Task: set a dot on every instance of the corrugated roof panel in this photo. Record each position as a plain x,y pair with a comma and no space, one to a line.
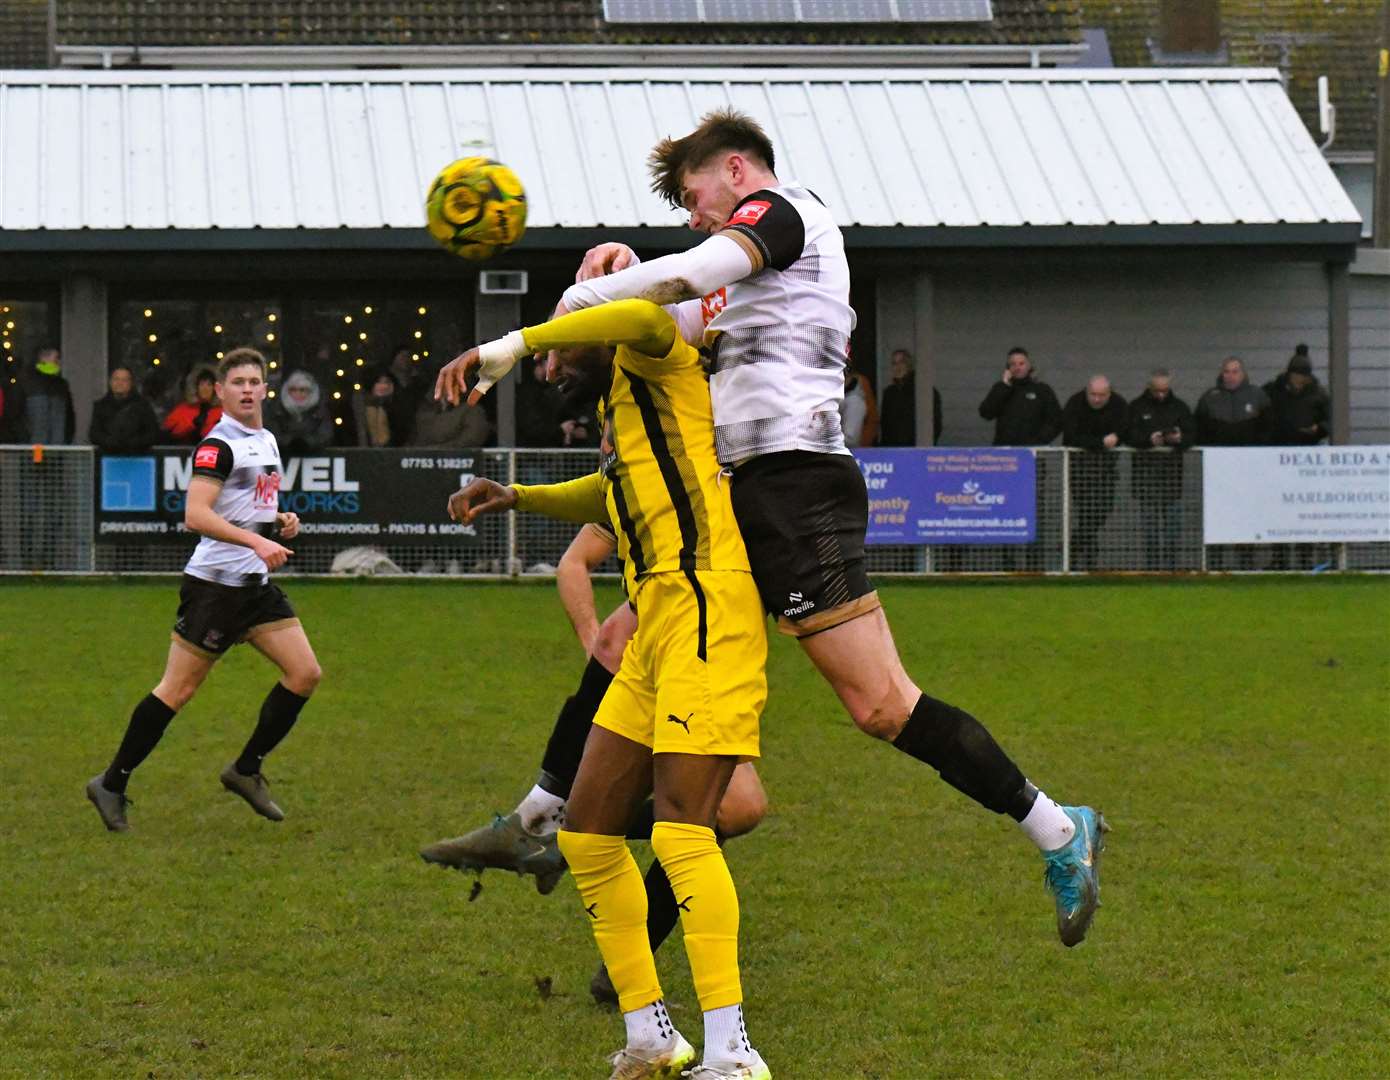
1001,148
1122,158
1020,166
974,155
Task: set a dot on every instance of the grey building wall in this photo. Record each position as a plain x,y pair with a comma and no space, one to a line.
1370,355
1125,315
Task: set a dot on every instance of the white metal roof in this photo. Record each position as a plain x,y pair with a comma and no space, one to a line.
356,149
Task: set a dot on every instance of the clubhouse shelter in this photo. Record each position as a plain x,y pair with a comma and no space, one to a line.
1110,220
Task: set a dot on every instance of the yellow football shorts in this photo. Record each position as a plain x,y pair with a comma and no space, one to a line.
693,679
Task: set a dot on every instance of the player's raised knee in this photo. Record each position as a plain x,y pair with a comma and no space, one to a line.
304,678
883,716
741,811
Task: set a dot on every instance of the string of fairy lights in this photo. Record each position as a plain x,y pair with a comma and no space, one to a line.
354,337
6,341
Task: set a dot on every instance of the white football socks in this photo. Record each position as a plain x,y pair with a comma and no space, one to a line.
650,1027
1047,825
541,812
726,1038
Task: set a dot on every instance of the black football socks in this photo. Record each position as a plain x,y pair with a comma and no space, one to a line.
959,747
279,711
142,735
560,765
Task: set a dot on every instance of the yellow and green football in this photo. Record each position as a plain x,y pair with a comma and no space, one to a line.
476,208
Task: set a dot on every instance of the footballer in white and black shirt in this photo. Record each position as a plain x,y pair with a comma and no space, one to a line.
798,495
227,597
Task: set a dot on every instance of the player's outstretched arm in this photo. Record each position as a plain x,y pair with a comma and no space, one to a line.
638,324
200,516
711,265
579,500
574,582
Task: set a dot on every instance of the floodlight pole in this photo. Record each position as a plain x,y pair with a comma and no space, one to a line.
1381,211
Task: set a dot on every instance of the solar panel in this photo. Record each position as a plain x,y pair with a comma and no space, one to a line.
844,11
648,11
762,12
944,11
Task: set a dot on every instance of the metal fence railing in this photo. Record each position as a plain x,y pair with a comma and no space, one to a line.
1115,512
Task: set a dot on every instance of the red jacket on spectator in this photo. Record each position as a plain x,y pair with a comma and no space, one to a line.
189,422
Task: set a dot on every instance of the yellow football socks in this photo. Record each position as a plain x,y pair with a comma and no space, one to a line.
615,902
708,906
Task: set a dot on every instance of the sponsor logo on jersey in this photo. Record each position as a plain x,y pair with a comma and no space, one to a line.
205,458
750,213
713,304
267,489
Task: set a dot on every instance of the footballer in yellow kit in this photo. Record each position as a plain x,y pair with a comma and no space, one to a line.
685,566
684,707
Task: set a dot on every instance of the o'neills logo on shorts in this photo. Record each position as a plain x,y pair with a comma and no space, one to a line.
799,606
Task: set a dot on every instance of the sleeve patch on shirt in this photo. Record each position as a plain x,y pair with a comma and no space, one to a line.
750,213
206,458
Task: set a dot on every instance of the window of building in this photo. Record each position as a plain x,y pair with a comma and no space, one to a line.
25,326
1189,32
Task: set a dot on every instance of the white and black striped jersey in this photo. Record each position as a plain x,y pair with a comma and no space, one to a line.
246,462
779,339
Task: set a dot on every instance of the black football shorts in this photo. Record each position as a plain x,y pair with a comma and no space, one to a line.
213,617
803,517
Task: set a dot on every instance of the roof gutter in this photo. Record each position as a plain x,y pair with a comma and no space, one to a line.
501,55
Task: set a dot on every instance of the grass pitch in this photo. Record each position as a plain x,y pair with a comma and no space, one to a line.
1234,733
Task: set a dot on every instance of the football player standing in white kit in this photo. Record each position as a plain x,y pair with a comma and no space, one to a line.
227,596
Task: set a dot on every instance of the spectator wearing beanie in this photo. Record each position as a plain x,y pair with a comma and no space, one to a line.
1299,408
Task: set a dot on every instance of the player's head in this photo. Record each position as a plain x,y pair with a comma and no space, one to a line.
241,385
585,370
708,171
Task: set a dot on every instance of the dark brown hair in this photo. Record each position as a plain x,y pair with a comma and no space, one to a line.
721,131
239,358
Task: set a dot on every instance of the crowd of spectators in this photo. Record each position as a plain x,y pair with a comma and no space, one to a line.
396,408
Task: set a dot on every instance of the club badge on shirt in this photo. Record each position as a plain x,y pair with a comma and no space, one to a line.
750,213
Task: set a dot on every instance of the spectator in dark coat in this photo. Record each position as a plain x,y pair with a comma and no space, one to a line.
1025,411
123,422
384,415
1094,422
1300,412
1160,429
897,417
48,408
1232,413
298,417
540,408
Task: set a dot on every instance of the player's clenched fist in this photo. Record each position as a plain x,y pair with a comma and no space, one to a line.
272,554
480,496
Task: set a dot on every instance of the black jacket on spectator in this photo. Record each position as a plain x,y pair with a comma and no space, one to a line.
1157,473
539,408
48,408
1290,411
897,416
1086,428
123,425
1025,412
1232,417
